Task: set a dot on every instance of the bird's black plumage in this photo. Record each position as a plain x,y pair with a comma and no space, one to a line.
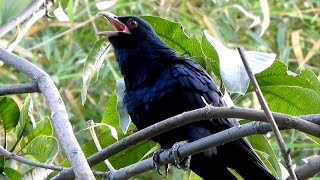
160,84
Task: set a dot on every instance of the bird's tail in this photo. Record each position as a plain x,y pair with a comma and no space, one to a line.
237,155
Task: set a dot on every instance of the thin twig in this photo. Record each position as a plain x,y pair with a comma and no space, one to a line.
90,17
34,6
193,116
59,117
284,151
96,142
62,34
18,89
13,156
27,25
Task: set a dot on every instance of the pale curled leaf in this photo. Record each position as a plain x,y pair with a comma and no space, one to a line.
232,71
113,130
93,65
125,119
61,15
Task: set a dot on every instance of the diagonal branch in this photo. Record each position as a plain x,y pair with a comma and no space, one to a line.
34,6
205,113
308,170
203,144
27,25
284,151
59,116
19,89
10,155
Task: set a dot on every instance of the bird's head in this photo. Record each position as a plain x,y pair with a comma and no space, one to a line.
129,30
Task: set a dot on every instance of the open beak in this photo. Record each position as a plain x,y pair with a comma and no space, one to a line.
118,25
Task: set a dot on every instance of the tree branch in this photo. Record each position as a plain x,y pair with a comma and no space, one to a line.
205,113
27,12
10,155
59,116
264,105
199,146
27,25
19,89
308,170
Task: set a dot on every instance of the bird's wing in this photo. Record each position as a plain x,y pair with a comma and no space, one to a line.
197,83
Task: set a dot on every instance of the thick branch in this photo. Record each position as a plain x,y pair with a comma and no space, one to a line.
205,113
34,6
308,170
19,89
59,116
199,146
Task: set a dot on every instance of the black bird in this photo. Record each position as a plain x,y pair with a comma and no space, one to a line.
161,84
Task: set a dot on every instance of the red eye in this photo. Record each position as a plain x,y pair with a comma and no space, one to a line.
133,23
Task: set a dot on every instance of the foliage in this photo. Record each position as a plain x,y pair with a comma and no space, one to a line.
287,85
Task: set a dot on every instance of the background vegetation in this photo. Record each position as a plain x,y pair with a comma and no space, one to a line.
292,34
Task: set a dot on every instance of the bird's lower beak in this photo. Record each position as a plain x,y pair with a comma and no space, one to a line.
118,25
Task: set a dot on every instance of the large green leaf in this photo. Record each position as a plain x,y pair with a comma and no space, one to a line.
289,93
43,127
172,34
26,121
43,148
9,113
93,65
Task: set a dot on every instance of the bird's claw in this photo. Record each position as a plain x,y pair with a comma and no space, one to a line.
156,159
183,163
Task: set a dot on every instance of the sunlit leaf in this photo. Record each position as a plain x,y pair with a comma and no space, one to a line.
43,127
42,148
26,121
289,93
93,65
36,173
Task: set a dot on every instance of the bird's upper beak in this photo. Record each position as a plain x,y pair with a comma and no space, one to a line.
118,25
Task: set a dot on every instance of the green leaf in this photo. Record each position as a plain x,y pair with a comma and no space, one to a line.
288,93
12,173
172,34
43,127
235,174
9,113
93,65
42,148
26,121
266,153
125,119
211,55
111,115
2,160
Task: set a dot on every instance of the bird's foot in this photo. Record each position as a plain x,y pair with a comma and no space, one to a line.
156,161
183,163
